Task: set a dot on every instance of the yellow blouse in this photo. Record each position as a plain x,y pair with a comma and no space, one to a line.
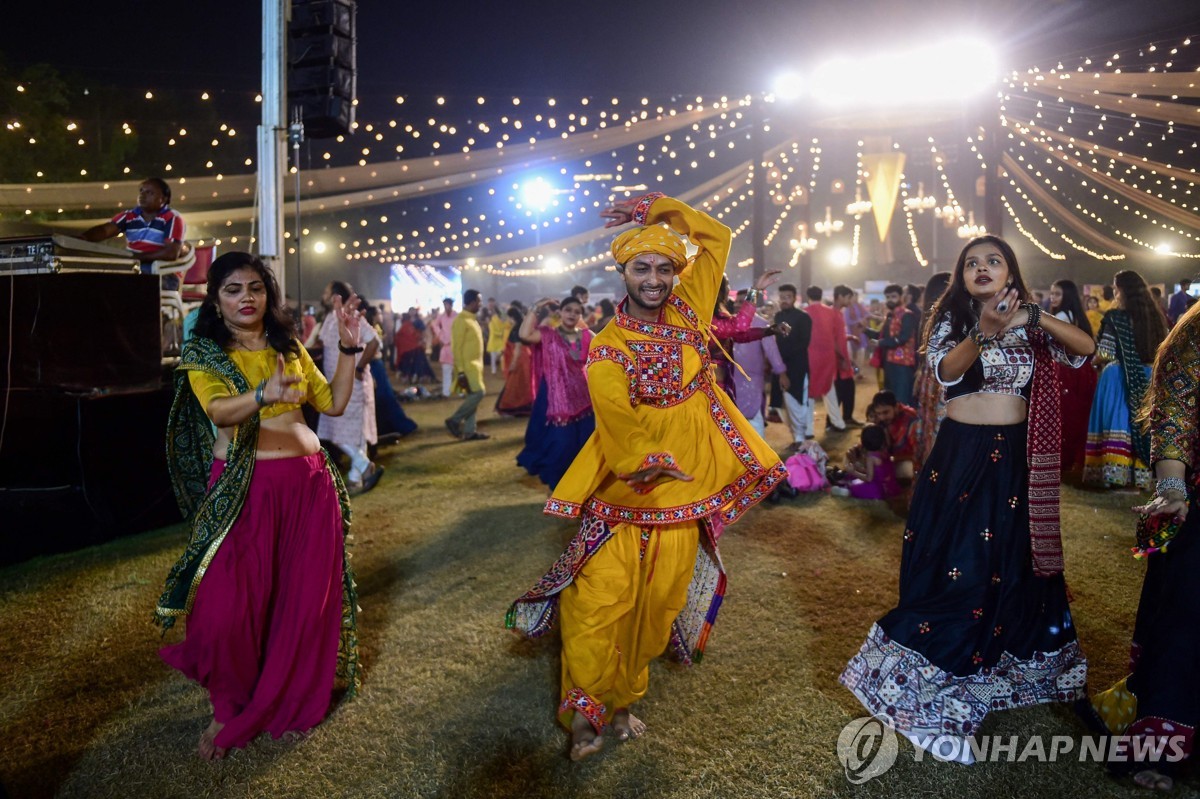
259,366
656,402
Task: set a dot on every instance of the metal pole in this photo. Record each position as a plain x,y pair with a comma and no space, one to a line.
993,209
758,213
271,153
296,135
933,249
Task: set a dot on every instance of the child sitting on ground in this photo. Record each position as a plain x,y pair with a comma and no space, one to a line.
869,468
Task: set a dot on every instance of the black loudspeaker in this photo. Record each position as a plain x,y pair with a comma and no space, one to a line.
321,66
90,332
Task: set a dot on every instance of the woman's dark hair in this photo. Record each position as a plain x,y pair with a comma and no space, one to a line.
514,313
1183,330
606,307
570,300
873,438
278,321
721,307
1073,305
957,301
935,287
1149,323
341,288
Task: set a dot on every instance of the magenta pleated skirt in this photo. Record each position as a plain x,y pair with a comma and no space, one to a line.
262,636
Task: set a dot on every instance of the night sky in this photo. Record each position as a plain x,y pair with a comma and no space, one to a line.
537,47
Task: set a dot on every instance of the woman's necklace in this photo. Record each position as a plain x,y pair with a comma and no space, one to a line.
574,340
258,340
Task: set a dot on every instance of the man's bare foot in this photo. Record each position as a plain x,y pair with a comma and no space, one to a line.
584,738
626,725
208,749
1153,780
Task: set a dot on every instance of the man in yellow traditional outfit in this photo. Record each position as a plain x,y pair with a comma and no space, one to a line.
671,462
466,340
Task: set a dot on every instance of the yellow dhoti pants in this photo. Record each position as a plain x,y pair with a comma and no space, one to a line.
616,616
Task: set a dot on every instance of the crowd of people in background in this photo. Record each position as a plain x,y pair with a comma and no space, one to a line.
779,356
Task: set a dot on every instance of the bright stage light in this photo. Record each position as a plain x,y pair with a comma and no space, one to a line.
537,193
788,86
954,70
423,287
840,256
319,247
552,264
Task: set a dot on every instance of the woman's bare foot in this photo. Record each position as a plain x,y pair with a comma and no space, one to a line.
626,725
295,736
208,749
585,740
1153,780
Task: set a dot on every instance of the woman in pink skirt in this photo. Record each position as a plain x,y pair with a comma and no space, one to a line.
264,581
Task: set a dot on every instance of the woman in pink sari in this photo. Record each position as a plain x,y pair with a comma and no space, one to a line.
562,417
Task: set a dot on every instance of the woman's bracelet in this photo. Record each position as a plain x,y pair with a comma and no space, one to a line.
258,393
1166,485
1035,314
349,350
979,338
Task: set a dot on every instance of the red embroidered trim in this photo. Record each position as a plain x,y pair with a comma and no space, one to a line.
638,395
750,488
643,206
649,462
753,486
658,459
578,700
662,330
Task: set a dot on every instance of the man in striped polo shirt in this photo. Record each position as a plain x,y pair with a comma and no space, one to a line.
153,232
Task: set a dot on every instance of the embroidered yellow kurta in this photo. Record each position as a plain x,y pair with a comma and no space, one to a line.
656,401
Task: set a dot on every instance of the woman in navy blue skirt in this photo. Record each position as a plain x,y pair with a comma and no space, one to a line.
982,621
1157,706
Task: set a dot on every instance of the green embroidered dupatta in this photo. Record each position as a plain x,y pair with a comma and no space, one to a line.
212,513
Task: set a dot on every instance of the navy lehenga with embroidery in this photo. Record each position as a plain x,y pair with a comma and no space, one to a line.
975,629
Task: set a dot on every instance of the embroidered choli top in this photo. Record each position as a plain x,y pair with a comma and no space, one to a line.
260,365
561,365
1174,433
656,403
1004,366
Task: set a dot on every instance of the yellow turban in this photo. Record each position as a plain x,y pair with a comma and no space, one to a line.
651,238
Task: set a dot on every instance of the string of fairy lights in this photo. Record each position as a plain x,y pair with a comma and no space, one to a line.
621,182
1100,154
1110,134
1060,153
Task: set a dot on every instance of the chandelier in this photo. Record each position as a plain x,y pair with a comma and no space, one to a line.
971,230
921,202
828,226
859,207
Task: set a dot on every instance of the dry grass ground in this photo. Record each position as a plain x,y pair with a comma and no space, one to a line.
454,706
